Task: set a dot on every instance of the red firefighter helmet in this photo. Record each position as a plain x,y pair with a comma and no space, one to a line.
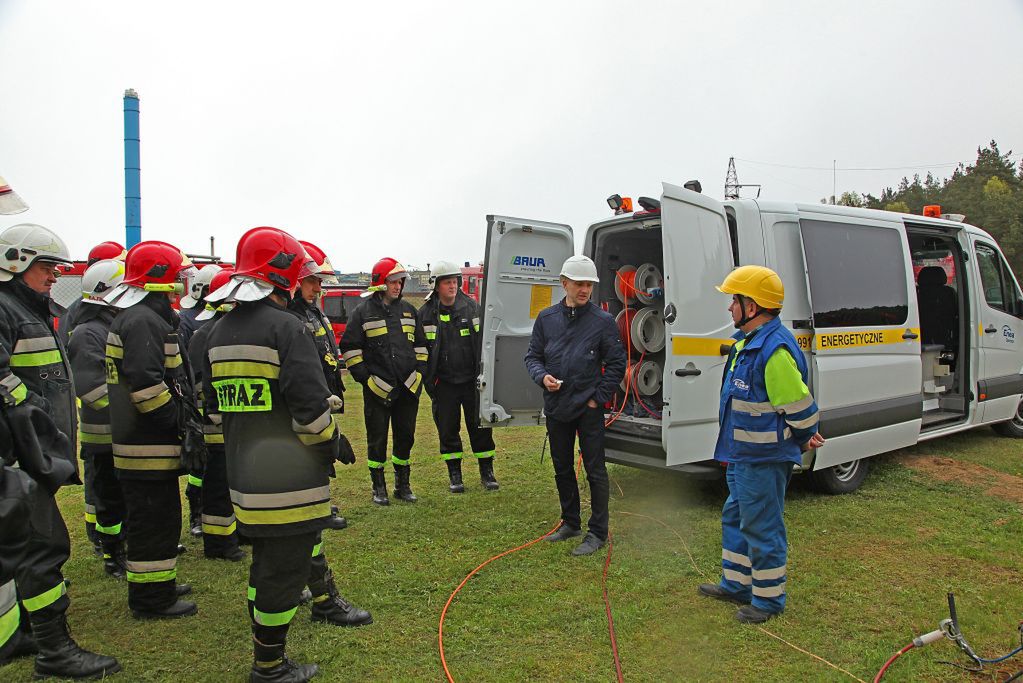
156,267
386,270
324,268
107,250
274,257
222,277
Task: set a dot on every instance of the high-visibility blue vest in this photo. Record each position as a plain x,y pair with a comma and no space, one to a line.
752,430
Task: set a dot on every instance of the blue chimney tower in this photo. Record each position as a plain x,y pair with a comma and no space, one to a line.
132,171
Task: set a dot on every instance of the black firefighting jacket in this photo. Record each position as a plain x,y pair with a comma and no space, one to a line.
262,380
87,353
33,363
323,336
147,376
384,347
452,338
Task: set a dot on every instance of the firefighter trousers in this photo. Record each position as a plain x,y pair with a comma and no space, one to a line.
17,490
219,535
39,577
754,545
103,490
154,511
280,568
318,568
450,401
401,416
590,427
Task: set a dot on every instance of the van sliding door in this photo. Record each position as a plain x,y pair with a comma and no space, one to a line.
866,335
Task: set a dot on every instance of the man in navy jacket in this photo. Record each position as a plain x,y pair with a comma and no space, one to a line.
576,355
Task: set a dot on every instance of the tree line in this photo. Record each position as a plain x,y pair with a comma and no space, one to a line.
989,192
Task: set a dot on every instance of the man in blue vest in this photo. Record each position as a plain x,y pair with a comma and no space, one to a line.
768,418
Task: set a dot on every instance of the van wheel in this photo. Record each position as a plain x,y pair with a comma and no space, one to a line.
844,478
1012,428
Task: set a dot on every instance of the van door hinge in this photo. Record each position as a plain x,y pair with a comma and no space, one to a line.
802,324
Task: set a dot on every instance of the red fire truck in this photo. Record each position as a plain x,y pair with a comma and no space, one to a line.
337,303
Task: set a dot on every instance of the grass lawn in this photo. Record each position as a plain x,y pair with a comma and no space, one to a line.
867,572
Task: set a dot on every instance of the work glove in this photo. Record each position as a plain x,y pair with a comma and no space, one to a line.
345,453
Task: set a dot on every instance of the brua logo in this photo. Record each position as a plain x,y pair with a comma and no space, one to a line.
530,261
739,384
1009,335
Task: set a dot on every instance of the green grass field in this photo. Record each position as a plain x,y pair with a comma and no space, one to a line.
867,572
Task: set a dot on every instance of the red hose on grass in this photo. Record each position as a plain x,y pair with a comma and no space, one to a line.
891,660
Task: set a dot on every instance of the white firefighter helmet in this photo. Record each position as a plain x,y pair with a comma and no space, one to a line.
24,244
10,202
195,284
580,269
99,278
444,269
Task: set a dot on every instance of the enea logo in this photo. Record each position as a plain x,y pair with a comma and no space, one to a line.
530,261
1009,335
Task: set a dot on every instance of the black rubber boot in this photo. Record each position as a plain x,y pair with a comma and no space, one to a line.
195,524
20,644
455,475
332,608
487,474
337,522
379,486
271,665
402,490
115,561
59,655
180,608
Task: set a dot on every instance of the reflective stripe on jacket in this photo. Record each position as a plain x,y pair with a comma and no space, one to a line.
753,428
452,344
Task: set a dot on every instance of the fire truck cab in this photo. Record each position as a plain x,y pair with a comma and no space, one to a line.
912,325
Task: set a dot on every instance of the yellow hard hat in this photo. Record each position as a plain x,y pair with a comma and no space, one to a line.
756,282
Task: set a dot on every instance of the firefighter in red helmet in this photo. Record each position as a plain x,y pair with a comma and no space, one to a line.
149,384
384,347
263,383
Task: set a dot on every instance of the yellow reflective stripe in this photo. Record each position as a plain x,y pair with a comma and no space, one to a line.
86,437
376,332
464,332
115,351
240,368
374,383
32,360
172,361
286,516
152,577
96,394
431,335
218,526
445,318
326,434
213,438
315,426
10,615
413,381
147,457
354,361
320,332
408,329
46,598
152,404
348,355
273,618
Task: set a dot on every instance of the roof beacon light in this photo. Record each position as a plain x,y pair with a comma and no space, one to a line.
932,211
620,204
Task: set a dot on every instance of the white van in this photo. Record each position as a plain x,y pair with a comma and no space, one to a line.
912,326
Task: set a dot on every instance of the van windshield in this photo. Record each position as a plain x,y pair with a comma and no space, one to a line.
338,308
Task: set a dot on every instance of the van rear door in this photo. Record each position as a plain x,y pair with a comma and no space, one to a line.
697,257
520,279
866,343
1000,346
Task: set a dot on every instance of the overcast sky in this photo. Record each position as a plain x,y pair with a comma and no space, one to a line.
394,128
